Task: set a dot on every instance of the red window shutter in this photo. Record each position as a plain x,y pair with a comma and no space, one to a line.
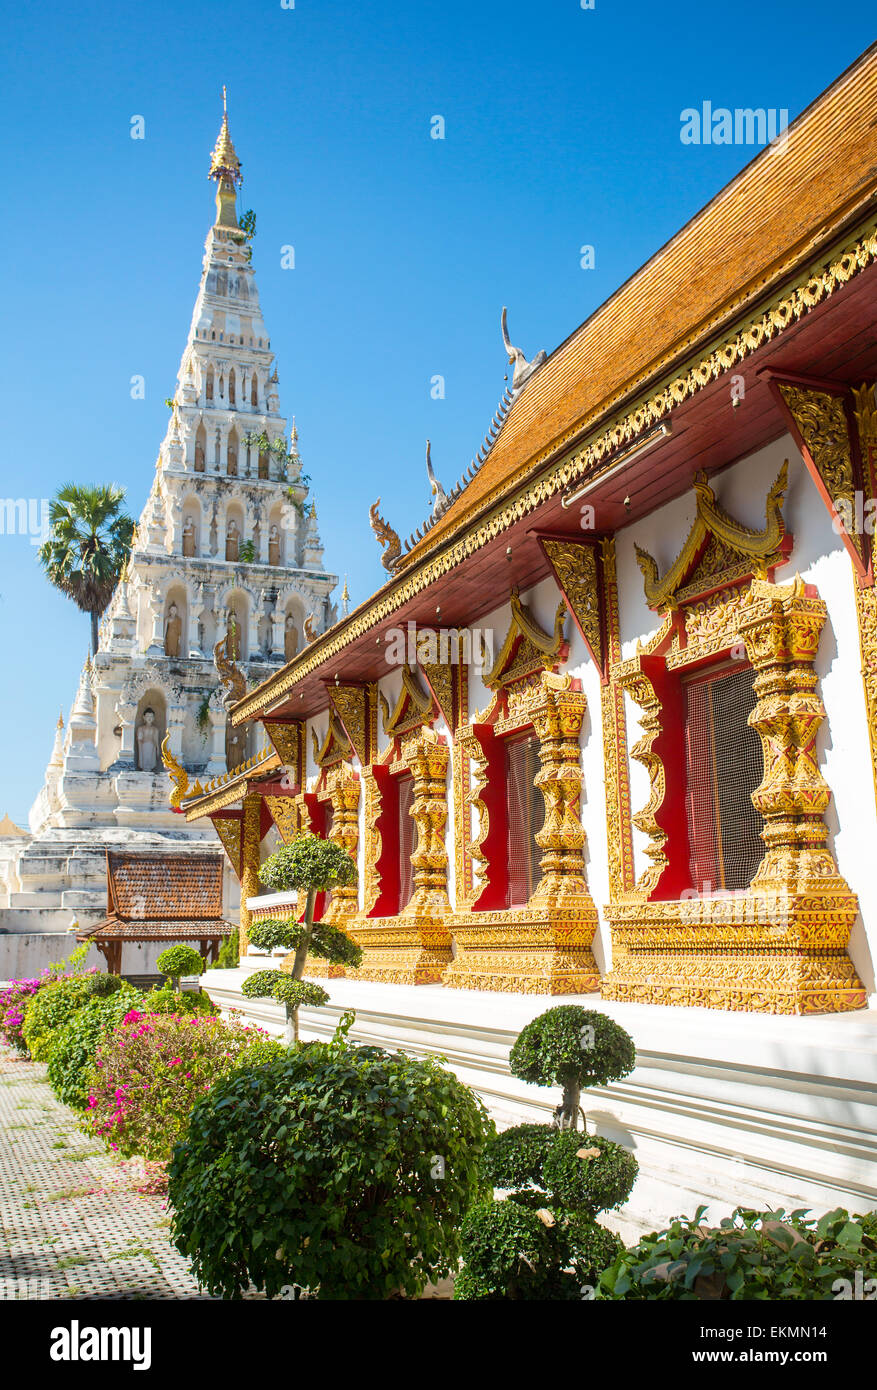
526,815
724,766
407,840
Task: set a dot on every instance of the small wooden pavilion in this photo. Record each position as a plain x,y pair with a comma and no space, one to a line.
160,897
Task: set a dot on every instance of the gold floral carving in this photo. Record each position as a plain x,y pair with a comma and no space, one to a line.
463,867
866,611
821,423
631,678
440,677
287,740
718,548
228,829
355,706
575,565
545,947
336,746
530,493
286,816
782,946
414,947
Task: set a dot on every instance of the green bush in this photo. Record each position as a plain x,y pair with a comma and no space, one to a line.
50,1009
75,1044
164,999
103,985
589,1184
229,956
542,1241
344,1170
180,960
749,1255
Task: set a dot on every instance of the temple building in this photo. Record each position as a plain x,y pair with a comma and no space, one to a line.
225,578
608,731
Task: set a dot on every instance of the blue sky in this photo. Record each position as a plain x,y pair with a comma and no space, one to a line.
562,129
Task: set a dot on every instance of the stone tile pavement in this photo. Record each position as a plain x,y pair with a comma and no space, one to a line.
72,1224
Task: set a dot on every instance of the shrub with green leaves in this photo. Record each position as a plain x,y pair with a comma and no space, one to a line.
311,865
75,1044
180,960
164,999
229,955
343,1170
153,1068
749,1255
50,1009
543,1241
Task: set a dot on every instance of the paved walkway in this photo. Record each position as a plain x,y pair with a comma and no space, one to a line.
72,1223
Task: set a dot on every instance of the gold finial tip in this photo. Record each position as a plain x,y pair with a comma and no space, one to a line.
60,724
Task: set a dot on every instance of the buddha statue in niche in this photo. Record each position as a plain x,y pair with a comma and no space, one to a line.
173,631
147,742
290,638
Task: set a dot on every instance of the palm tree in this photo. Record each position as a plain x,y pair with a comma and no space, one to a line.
89,543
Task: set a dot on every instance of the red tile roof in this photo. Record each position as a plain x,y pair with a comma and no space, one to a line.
144,886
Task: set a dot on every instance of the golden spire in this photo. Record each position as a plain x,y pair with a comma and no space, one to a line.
345,592
225,169
60,723
224,163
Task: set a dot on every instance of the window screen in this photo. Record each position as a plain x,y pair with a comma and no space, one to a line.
407,840
526,814
725,766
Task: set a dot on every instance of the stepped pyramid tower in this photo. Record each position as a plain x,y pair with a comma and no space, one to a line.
227,546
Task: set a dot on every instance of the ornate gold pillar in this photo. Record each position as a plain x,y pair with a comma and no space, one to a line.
251,839
413,947
343,786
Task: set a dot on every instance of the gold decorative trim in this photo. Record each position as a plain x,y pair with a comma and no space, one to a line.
228,829
700,370
414,706
527,646
576,569
336,746
286,816
251,822
615,768
354,705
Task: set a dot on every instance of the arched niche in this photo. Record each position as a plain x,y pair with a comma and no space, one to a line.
237,606
293,618
208,385
200,448
232,449
147,746
176,622
254,389
232,387
276,536
234,531
191,526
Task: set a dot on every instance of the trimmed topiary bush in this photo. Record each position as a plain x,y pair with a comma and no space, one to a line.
750,1255
52,1007
100,986
180,960
74,1046
572,1047
542,1241
312,865
342,1170
152,1069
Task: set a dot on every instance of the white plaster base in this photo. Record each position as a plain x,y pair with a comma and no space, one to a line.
722,1108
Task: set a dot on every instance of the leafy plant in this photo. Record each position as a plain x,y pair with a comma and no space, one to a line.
572,1047
50,1009
202,716
229,954
343,1170
247,552
311,865
543,1241
89,542
749,1255
150,1071
74,1046
180,960
165,999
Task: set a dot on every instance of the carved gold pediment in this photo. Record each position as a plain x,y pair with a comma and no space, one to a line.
354,705
286,738
414,706
335,746
527,648
718,550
